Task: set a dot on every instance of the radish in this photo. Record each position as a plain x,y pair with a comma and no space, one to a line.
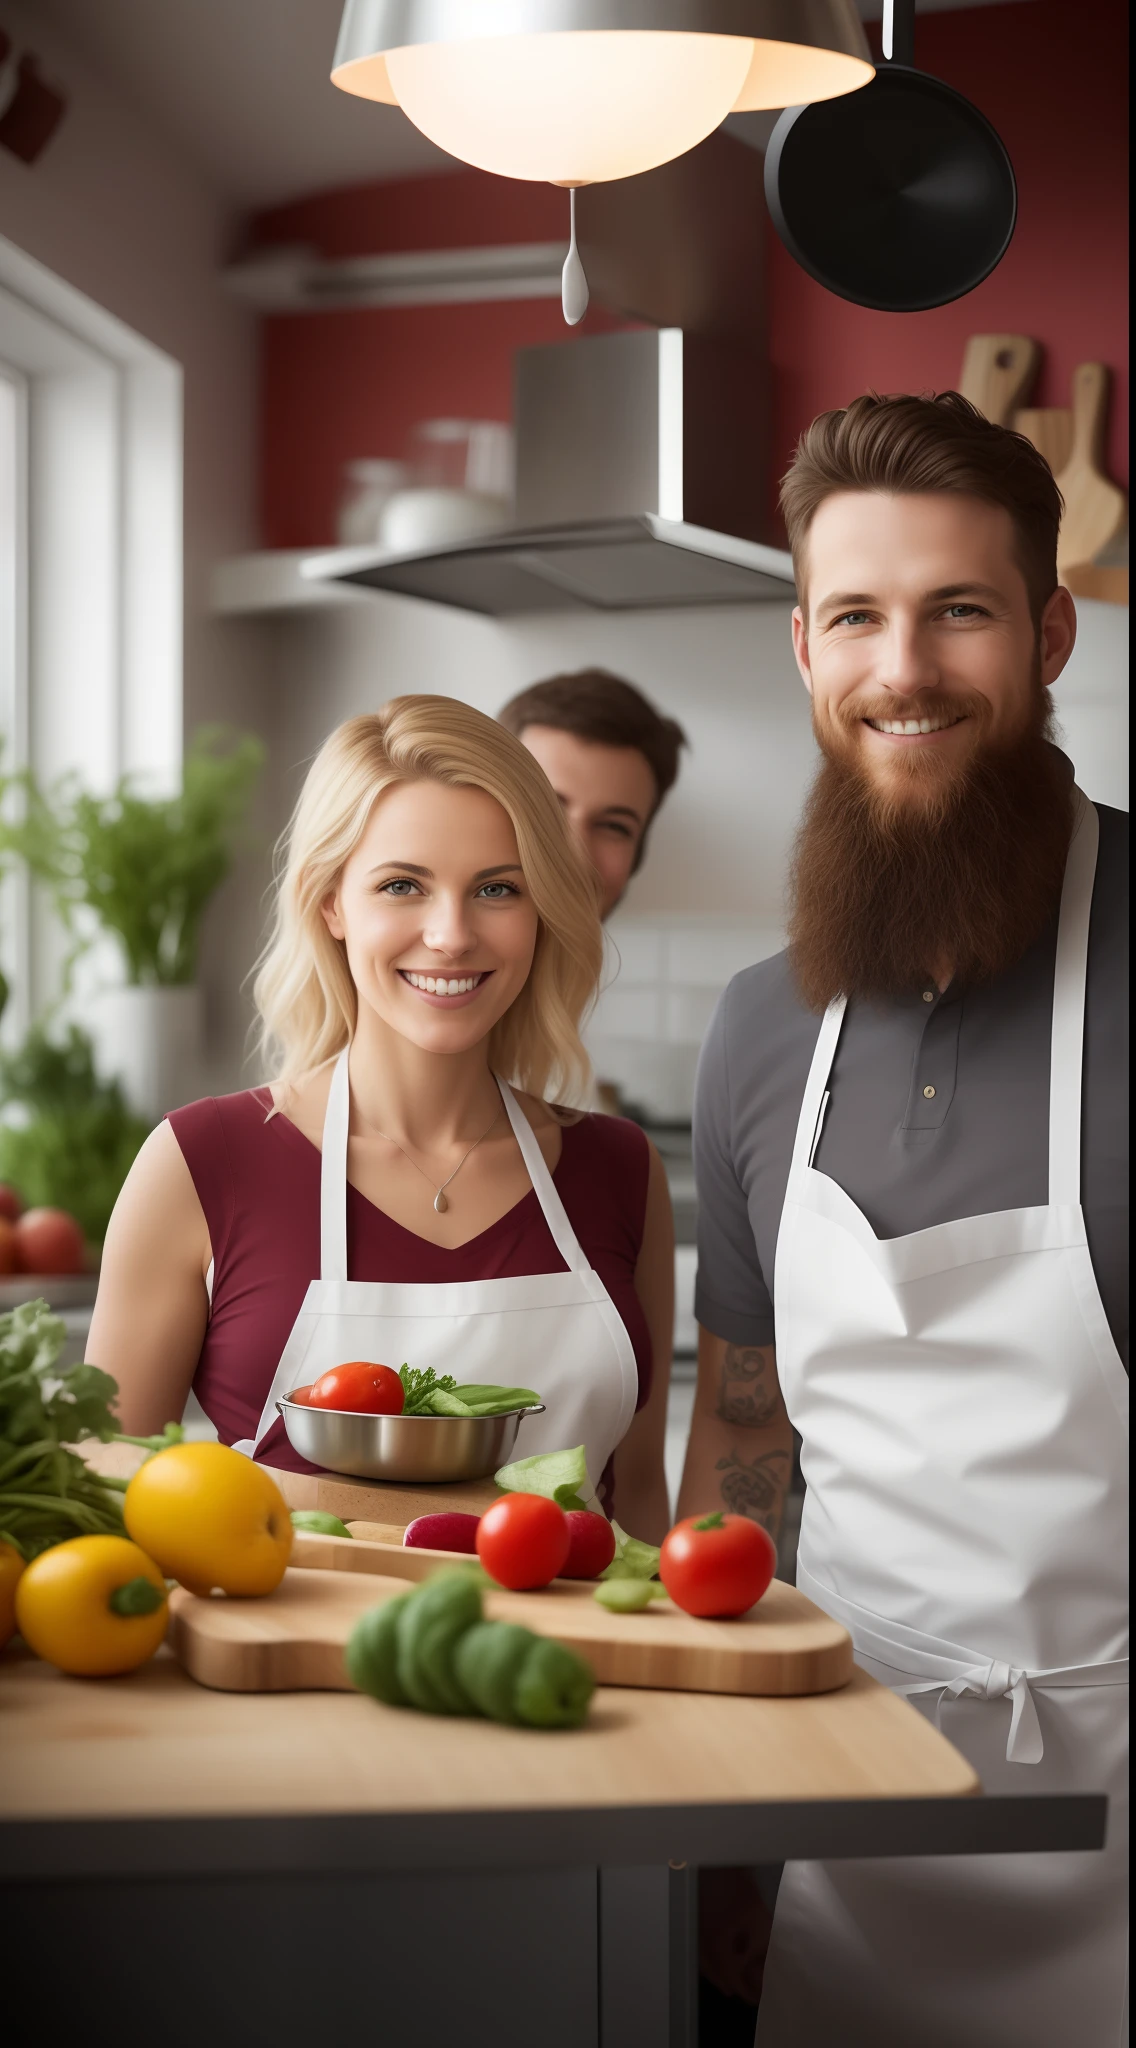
591,1545
442,1532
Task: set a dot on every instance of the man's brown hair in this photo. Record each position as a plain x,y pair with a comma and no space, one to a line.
594,705
906,446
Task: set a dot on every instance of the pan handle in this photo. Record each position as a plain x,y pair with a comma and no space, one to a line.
898,28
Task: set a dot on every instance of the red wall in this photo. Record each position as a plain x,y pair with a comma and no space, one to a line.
1051,77
335,386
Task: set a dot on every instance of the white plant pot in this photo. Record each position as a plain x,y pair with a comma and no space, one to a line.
149,1039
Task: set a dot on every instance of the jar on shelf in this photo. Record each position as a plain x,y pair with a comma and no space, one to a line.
368,484
460,486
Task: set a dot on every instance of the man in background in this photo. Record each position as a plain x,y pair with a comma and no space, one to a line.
610,757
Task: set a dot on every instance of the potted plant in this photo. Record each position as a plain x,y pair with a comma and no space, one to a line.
67,1137
143,869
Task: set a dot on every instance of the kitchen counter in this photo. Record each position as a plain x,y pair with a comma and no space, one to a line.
323,1860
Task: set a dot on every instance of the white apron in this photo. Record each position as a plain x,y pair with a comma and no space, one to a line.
558,1333
964,1417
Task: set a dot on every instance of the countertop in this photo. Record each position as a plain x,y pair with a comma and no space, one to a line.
312,1853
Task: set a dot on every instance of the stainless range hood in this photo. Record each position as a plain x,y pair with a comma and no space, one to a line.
640,481
642,457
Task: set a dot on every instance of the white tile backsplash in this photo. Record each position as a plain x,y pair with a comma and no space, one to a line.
635,954
687,1013
709,955
663,978
629,1013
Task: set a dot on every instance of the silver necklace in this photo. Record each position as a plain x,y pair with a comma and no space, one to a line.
440,1202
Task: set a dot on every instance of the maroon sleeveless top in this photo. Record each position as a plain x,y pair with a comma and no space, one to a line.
258,1183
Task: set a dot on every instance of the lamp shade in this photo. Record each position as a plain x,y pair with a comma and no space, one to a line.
580,91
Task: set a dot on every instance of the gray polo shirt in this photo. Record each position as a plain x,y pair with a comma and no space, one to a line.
908,1159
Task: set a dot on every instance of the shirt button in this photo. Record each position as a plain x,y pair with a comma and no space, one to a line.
928,995
928,1091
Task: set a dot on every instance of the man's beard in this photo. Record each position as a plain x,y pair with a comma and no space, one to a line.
957,871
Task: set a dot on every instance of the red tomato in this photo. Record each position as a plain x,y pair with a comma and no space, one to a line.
50,1241
300,1394
359,1388
10,1203
591,1545
9,1247
522,1541
717,1564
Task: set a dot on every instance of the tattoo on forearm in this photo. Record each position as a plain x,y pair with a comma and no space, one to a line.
749,1395
756,1490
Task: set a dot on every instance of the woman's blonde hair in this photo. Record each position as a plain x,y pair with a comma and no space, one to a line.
303,988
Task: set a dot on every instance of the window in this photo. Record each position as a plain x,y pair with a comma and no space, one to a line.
90,564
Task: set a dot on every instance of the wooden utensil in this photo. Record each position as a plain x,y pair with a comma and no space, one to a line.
295,1637
997,373
1095,509
1050,428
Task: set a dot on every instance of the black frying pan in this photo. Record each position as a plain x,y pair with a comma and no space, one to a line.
899,196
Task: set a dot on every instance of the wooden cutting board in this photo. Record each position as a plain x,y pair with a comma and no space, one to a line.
997,373
1095,509
370,1500
1050,428
294,1639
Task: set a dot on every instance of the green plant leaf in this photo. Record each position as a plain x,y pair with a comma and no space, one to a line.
78,1138
561,1476
633,1559
144,867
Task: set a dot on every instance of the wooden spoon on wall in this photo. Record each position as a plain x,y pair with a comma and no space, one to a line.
997,373
1095,509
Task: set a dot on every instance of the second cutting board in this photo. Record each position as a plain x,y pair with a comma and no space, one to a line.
294,1638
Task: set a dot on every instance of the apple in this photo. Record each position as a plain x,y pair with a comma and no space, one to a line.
11,1207
50,1241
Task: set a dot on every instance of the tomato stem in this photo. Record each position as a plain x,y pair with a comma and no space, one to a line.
137,1596
715,1521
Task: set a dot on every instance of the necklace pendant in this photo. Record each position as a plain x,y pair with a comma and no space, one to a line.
440,1203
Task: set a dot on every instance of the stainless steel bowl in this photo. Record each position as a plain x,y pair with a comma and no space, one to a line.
427,1449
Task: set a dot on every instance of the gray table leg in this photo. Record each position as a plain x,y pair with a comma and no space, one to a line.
648,1957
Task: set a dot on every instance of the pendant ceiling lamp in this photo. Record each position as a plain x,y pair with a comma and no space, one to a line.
579,91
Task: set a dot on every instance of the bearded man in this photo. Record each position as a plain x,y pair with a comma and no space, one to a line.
911,1150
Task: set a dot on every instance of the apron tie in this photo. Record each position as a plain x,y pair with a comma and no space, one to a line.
993,1681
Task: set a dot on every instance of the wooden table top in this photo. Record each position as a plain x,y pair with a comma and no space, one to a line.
155,1744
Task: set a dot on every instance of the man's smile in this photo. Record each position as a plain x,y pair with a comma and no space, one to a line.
905,728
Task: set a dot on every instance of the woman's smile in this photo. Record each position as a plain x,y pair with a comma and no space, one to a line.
444,991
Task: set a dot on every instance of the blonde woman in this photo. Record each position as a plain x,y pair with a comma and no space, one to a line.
405,1189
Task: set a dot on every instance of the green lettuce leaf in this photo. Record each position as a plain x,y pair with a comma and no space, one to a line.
561,1476
632,1560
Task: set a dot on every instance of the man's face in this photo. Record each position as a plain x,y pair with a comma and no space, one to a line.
920,648
607,794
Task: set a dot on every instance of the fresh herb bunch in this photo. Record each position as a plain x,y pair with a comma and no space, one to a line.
418,1387
47,1494
146,867
77,1138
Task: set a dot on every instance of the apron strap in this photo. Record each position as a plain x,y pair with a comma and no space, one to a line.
1069,983
812,1102
555,1214
333,1175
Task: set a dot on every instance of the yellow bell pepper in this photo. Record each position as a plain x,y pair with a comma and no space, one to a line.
94,1606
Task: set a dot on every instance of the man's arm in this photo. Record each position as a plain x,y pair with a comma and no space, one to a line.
740,1453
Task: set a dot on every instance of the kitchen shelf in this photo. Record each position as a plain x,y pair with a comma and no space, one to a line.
270,582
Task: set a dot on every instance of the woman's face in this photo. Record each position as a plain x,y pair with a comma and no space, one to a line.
435,914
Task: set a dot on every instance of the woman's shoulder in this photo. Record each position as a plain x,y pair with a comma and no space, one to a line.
214,1114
